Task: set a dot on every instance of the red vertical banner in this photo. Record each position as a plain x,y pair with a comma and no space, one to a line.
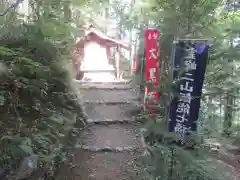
152,65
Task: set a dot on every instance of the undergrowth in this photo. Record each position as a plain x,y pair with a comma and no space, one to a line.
167,160
39,111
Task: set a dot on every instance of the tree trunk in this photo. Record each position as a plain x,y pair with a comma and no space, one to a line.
67,11
106,19
228,114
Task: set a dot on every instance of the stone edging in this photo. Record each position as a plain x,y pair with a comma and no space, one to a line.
110,88
111,102
99,82
110,121
107,148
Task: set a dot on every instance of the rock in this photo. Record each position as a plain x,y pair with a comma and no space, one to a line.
27,166
2,172
119,149
91,176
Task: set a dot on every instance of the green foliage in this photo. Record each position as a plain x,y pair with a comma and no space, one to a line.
36,107
166,160
219,112
39,111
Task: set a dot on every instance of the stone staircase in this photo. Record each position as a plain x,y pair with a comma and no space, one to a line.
111,142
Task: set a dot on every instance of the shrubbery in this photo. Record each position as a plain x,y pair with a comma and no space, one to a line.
39,110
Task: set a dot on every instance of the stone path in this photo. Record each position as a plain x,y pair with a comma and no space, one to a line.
111,142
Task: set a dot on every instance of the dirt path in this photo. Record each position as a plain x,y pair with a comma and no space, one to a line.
110,143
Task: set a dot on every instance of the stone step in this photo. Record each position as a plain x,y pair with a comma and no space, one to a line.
120,149
108,102
97,71
115,82
107,166
102,96
106,87
111,121
111,112
111,136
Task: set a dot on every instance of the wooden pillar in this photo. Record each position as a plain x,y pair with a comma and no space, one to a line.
117,59
108,55
120,60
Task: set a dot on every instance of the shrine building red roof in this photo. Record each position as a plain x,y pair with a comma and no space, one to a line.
100,34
